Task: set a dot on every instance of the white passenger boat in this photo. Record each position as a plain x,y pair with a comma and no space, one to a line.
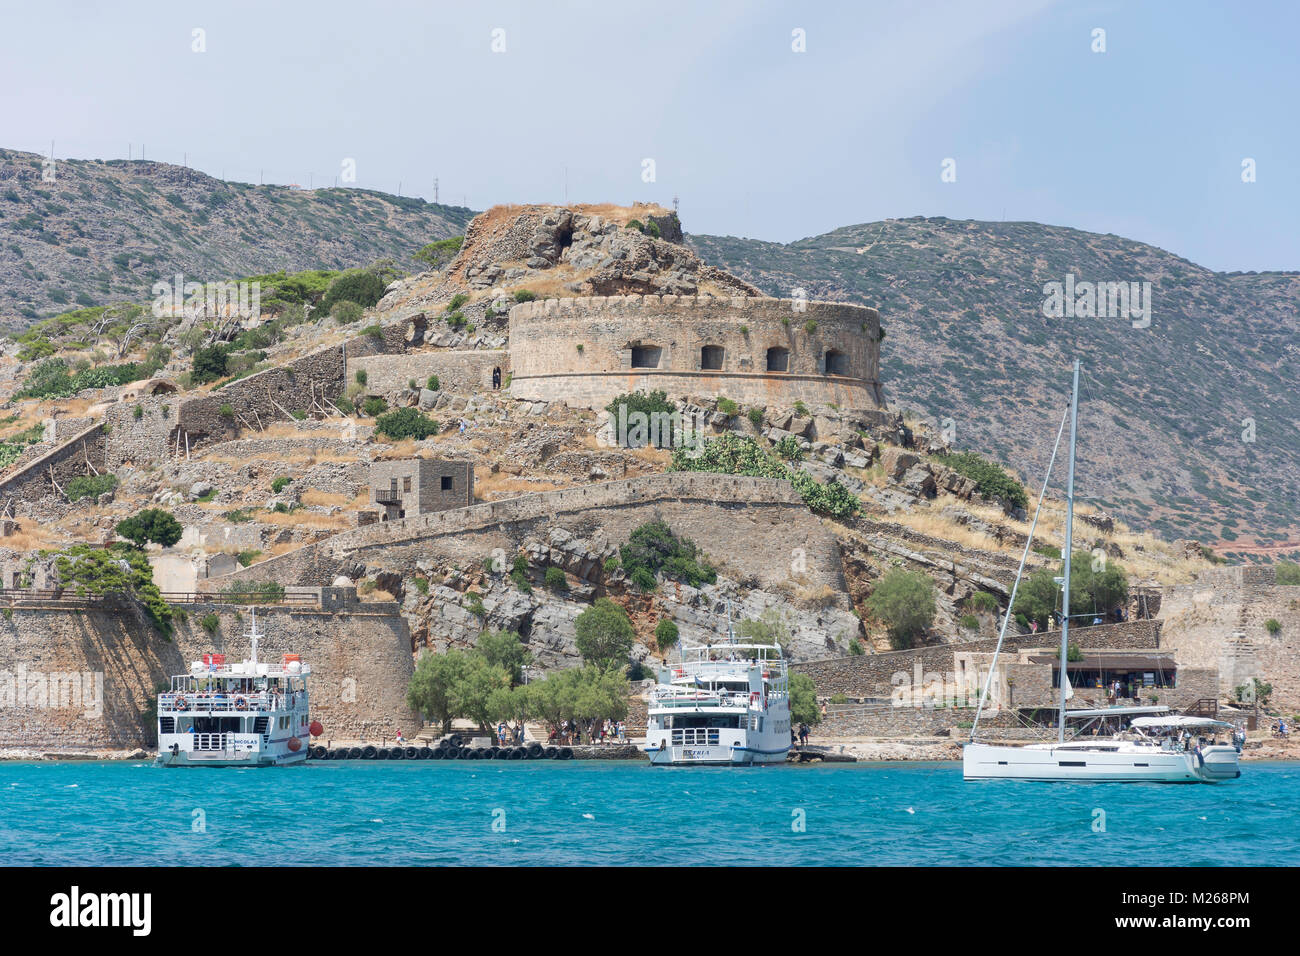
1147,753
249,714
725,703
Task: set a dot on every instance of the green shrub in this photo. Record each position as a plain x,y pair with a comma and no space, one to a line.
405,423
253,592
982,601
209,363
756,417
523,295
138,412
519,574
789,448
666,634
344,405
555,579
1273,626
422,585
1288,572
238,516
374,406
89,486
904,601
362,376
654,549
226,411
732,454
280,483
801,410
810,326
662,423
970,622
246,558
728,407
433,384
457,300
152,524
373,331
345,313
855,648
210,623
991,480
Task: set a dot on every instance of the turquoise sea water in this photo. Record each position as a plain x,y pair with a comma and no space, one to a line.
623,812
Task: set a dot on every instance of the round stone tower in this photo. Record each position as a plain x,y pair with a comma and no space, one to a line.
752,350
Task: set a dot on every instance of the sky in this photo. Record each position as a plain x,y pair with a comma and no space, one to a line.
709,102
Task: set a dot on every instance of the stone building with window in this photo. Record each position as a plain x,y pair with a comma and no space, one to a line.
404,487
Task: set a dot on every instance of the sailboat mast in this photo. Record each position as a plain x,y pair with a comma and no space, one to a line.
1069,547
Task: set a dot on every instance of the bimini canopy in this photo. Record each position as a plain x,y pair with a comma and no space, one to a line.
1178,720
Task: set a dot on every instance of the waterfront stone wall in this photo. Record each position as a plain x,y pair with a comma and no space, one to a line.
753,529
588,350
361,664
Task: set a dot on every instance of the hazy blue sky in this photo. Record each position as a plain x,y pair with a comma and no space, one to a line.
1145,140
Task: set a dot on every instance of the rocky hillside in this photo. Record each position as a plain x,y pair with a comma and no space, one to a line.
1167,410
105,230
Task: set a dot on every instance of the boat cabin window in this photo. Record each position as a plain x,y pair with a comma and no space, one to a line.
706,720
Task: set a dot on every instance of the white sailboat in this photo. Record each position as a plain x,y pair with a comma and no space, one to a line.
1160,748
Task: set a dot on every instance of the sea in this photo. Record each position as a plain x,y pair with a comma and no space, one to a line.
557,813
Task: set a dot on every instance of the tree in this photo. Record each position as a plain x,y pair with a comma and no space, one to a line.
803,700
904,600
209,363
118,569
505,650
666,634
604,634
430,688
472,690
1096,587
440,252
152,524
770,627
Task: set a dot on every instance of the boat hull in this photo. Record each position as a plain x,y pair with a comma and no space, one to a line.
713,755
1122,765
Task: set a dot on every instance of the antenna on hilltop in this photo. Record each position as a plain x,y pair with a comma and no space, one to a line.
675,202
435,190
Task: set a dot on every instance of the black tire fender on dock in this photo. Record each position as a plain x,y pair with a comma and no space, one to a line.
566,753
534,750
369,753
424,753
356,753
552,753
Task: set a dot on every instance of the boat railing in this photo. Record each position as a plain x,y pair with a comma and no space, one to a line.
686,697
223,702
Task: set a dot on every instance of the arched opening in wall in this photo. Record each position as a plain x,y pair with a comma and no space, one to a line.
645,356
837,362
711,358
778,359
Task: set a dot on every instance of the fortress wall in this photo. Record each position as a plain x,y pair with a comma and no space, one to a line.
1202,622
463,372
32,482
548,364
257,398
361,664
750,527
